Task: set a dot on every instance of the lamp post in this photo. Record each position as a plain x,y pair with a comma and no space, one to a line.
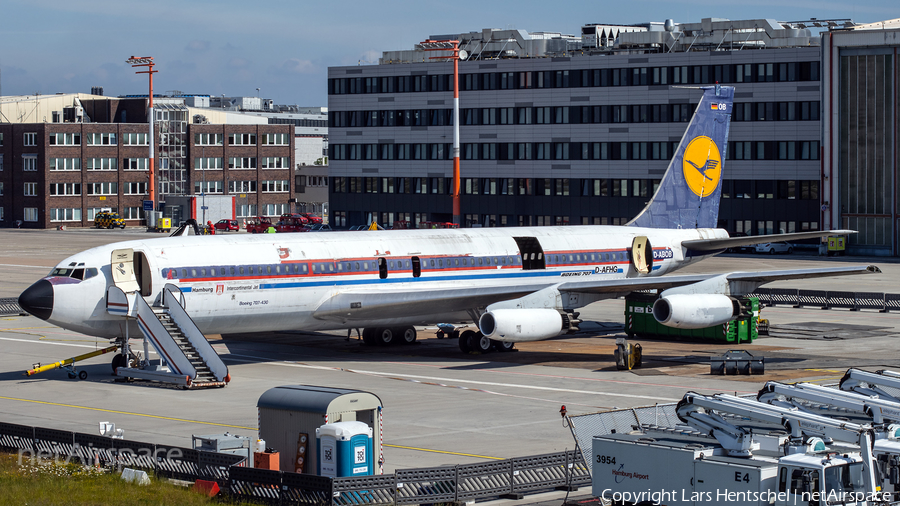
147,61
451,45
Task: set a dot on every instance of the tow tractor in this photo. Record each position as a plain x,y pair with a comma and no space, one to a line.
741,467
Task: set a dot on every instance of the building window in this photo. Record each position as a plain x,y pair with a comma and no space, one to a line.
30,140
242,163
135,139
31,214
1,138
101,139
275,209
131,213
242,187
135,163
282,186
208,139
65,139
61,164
102,188
208,187
242,139
276,162
29,163
102,164
1,188
65,214
246,210
276,140
208,163
1,160
31,189
1,209
60,189
134,188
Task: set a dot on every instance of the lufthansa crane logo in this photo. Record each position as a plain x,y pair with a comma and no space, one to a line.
702,166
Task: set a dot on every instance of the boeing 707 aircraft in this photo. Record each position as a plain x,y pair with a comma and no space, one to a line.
518,284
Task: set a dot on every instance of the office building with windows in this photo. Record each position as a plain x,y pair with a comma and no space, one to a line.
559,129
95,155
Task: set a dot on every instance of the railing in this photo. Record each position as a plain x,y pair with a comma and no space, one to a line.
10,307
92,450
828,299
461,483
174,302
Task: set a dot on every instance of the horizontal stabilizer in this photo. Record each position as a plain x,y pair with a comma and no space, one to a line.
732,242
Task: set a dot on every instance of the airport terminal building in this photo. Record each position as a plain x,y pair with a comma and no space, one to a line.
559,129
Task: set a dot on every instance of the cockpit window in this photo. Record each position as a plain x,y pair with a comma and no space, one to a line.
79,273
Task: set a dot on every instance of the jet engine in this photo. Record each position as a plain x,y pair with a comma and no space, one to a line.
695,311
519,325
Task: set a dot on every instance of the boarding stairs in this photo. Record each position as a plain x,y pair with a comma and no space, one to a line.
186,357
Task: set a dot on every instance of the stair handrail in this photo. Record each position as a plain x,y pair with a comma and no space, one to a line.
171,290
161,340
193,334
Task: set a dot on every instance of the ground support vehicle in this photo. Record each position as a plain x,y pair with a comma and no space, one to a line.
108,220
639,321
258,225
825,401
292,223
741,467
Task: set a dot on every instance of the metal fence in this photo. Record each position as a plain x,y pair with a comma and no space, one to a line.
9,306
461,483
828,299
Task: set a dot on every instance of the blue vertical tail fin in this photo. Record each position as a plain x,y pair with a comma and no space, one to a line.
689,193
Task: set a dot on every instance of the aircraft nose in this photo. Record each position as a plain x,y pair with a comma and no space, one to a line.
37,299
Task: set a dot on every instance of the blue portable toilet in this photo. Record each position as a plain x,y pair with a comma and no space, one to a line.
344,449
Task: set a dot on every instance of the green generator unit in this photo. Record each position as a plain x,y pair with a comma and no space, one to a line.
639,321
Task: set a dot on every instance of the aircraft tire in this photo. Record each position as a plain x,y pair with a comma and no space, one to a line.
407,334
118,361
464,341
384,336
478,342
502,346
368,336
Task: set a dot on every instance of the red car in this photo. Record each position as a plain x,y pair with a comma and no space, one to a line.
227,225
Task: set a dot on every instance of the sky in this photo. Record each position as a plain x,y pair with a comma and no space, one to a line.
284,48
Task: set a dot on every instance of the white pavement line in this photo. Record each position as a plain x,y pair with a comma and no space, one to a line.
51,342
41,267
483,383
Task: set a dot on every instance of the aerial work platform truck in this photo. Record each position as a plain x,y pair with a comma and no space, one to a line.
716,460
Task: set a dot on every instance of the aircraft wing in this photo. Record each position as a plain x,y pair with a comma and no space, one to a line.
379,302
731,242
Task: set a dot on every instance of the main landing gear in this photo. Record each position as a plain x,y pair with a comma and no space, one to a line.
474,341
387,336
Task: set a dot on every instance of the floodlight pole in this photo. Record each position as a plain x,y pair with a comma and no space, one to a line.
147,61
451,45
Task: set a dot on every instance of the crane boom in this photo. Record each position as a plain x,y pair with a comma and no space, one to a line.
872,383
881,411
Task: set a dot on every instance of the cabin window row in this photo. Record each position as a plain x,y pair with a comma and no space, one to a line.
582,78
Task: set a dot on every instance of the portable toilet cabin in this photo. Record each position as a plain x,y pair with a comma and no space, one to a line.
344,449
289,416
